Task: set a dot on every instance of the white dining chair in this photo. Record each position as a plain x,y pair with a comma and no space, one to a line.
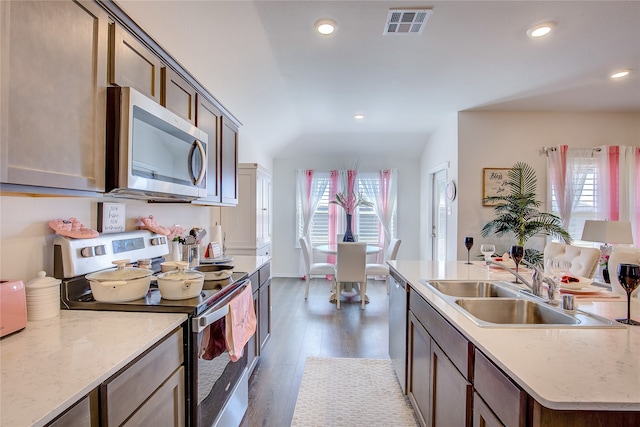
383,269
584,261
313,268
350,267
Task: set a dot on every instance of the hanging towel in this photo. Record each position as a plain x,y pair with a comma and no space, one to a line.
240,323
214,342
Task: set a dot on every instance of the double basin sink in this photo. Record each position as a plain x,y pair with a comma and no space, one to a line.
501,304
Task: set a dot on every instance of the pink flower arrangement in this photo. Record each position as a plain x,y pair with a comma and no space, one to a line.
176,232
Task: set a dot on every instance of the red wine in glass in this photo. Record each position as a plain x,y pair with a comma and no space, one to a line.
517,253
629,278
468,243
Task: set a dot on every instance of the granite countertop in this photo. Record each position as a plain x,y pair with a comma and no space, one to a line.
53,363
562,368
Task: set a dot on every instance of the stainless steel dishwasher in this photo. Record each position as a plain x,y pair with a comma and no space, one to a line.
398,297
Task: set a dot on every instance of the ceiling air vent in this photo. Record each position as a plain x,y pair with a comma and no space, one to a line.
406,21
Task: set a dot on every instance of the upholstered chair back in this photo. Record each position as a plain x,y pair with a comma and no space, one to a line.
584,261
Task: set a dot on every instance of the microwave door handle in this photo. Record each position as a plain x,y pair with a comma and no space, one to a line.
197,144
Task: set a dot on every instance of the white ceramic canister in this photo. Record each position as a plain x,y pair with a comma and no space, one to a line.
43,297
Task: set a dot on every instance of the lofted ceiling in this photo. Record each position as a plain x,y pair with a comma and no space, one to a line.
296,92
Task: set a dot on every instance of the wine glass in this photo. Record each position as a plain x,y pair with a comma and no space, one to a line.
557,267
487,250
629,278
517,253
468,242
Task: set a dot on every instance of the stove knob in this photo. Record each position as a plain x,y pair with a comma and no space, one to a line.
100,250
158,241
87,252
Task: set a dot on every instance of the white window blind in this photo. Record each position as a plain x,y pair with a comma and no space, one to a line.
586,207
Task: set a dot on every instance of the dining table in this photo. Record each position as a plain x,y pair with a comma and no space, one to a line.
332,249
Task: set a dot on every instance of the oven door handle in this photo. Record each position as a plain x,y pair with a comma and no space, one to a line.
201,322
214,314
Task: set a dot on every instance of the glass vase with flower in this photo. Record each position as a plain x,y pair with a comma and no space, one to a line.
350,202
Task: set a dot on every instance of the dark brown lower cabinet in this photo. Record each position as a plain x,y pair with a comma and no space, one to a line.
265,313
482,414
507,401
451,393
253,346
438,368
419,369
261,286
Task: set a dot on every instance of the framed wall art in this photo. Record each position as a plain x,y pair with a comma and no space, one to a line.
493,183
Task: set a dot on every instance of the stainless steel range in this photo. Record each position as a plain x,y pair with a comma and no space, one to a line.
216,388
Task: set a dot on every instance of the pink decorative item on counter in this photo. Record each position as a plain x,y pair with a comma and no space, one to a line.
150,224
13,307
72,228
176,232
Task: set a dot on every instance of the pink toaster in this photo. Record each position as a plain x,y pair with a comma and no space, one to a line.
13,307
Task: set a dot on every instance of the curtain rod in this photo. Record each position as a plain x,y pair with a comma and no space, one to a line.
544,151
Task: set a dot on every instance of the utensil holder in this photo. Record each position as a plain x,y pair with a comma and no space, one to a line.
191,254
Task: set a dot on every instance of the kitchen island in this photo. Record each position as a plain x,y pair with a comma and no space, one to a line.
562,369
53,363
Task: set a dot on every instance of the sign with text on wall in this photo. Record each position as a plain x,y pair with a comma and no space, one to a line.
111,217
494,184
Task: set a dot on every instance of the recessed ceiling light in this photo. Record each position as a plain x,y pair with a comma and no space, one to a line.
620,74
325,26
358,116
541,30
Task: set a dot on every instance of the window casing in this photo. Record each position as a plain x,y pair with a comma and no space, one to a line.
365,221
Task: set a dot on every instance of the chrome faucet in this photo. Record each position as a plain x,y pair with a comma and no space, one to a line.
537,279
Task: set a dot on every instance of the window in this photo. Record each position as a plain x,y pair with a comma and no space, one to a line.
601,183
365,222
586,205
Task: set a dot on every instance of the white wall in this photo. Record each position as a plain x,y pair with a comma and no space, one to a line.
286,256
500,139
441,150
26,241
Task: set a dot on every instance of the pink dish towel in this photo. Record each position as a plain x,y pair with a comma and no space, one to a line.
240,323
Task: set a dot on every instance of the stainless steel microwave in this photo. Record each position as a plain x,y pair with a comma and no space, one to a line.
151,152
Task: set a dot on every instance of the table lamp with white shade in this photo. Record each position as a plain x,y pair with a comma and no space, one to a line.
606,232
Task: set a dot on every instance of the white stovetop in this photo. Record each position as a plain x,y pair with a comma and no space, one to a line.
53,363
591,369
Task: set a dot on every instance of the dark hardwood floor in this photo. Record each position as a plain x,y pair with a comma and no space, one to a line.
314,327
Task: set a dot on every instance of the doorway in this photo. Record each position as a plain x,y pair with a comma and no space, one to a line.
439,215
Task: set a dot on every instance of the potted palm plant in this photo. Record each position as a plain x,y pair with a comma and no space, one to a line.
516,212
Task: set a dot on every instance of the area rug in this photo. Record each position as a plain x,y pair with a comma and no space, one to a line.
351,392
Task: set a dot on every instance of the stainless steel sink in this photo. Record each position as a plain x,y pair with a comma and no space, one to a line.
527,313
515,311
472,289
500,304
